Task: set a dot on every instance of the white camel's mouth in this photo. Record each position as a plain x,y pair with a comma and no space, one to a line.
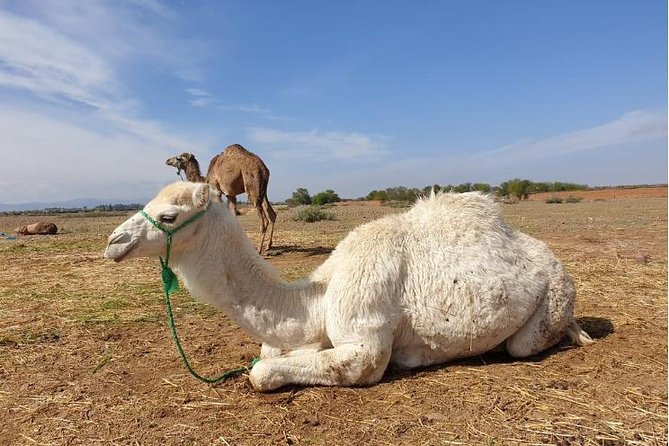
119,246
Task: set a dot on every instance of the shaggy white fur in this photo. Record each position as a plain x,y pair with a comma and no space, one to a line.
447,279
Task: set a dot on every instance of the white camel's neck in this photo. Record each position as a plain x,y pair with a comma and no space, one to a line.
222,267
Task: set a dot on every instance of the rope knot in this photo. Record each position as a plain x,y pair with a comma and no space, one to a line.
170,281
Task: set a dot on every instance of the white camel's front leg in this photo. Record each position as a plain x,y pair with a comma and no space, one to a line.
345,365
267,351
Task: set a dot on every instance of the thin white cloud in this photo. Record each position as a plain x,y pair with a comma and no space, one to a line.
201,102
49,64
121,31
80,51
633,127
200,97
197,92
245,108
58,58
53,158
156,7
319,145
554,158
76,121
263,112
150,132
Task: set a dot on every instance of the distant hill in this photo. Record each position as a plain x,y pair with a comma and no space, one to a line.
76,203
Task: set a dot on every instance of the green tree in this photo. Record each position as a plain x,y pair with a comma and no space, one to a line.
327,196
503,189
299,197
519,188
464,187
481,187
540,187
377,195
427,190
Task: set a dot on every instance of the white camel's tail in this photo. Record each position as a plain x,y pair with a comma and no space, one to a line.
577,335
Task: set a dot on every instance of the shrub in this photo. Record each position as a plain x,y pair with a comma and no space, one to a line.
312,214
553,199
572,199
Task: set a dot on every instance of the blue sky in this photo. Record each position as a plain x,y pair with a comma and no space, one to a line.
352,96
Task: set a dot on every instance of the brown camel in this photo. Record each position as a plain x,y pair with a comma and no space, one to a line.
233,172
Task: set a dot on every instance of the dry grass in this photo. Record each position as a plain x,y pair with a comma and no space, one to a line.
86,358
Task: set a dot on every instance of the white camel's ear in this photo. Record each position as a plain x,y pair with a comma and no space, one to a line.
201,195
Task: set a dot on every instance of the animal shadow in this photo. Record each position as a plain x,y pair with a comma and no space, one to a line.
313,251
596,327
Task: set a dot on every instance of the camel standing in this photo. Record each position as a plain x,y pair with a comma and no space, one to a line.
232,172
448,279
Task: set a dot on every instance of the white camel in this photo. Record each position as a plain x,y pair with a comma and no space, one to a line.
448,279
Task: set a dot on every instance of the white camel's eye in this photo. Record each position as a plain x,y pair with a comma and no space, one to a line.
168,218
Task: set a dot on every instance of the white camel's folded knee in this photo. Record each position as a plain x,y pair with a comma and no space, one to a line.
345,365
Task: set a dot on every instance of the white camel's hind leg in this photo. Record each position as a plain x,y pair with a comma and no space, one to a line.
537,335
550,322
577,335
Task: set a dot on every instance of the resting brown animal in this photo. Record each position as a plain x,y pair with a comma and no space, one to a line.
39,228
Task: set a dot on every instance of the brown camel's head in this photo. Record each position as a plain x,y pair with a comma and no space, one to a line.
180,161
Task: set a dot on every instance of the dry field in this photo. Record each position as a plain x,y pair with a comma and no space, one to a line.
86,356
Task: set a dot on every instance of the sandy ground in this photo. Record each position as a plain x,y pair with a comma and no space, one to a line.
86,356
606,194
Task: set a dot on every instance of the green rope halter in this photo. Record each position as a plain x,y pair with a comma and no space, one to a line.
171,285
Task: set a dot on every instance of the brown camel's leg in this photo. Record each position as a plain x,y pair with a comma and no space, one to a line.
263,225
271,215
255,192
232,204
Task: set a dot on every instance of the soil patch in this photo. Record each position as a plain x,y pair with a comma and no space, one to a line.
86,356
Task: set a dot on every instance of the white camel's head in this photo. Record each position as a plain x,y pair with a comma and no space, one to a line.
172,207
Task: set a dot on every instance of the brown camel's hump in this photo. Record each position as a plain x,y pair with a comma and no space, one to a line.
246,160
212,163
236,149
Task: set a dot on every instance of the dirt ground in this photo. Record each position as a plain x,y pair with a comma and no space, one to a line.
606,194
86,356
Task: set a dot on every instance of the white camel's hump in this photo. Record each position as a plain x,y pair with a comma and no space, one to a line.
444,280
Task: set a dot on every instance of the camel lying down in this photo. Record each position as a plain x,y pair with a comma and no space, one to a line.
39,228
446,280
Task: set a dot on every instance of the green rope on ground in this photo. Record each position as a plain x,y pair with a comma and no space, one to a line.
175,337
171,285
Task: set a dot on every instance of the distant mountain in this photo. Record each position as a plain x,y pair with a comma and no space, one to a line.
76,203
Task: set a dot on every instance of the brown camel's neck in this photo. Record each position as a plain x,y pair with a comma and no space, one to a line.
193,172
